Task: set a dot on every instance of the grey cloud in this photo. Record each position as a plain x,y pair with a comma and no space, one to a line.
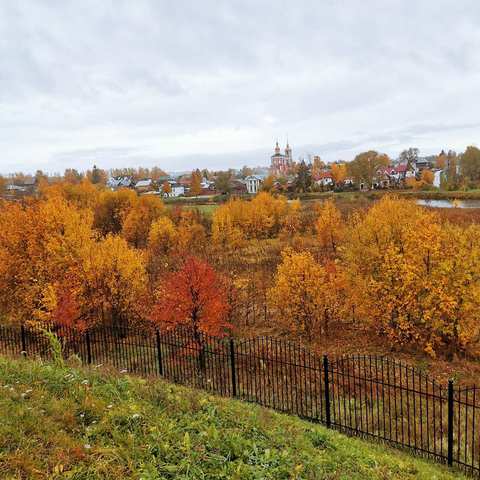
214,83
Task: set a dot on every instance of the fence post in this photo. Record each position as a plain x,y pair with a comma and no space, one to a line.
159,354
232,367
450,423
327,392
89,347
24,340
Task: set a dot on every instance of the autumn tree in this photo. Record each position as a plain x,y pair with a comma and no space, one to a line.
156,173
227,231
72,176
262,217
136,226
196,185
470,164
317,166
414,276
451,177
97,176
295,296
162,236
364,167
292,221
112,208
83,195
427,177
195,297
191,234
42,245
329,226
339,173
166,188
268,184
113,283
441,160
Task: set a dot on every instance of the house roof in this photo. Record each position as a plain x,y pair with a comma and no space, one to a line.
120,181
321,175
144,183
259,177
402,168
387,171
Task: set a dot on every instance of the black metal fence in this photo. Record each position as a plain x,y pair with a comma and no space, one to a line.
368,396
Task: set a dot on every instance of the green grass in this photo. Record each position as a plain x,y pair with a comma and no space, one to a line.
74,423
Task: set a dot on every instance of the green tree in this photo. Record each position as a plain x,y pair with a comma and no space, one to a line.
223,182
470,164
364,167
303,180
97,176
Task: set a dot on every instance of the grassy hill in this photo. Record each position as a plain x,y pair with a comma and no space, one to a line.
63,422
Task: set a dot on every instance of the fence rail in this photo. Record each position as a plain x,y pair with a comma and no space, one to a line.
369,396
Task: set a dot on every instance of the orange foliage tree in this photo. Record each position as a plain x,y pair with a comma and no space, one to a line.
339,173
112,208
136,226
196,297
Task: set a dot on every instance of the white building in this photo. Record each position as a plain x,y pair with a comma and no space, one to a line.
176,190
253,183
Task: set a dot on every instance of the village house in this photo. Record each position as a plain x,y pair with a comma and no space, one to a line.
238,187
424,163
254,183
176,190
324,179
115,183
145,185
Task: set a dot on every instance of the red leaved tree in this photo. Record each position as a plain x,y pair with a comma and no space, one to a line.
197,297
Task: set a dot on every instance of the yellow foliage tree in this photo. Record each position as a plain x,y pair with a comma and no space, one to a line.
41,246
330,226
136,226
427,177
113,283
262,217
162,237
292,221
295,297
83,195
226,230
416,279
339,173
112,208
196,185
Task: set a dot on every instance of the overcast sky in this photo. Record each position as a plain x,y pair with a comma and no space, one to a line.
213,83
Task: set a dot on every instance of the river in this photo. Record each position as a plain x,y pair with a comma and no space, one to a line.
449,203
